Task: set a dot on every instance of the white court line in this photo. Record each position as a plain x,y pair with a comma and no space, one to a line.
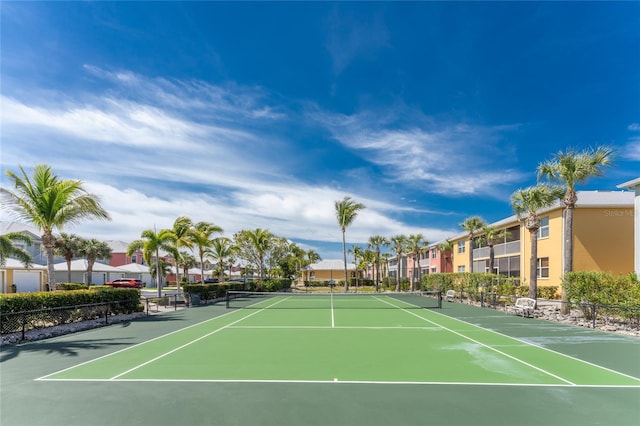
333,321
320,327
149,341
352,382
485,345
531,344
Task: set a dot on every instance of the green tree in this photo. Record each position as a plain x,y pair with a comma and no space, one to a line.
526,204
182,227
49,203
254,246
93,250
375,243
446,250
472,225
150,243
568,169
399,246
416,245
222,252
67,246
186,261
201,238
311,257
358,254
8,249
346,211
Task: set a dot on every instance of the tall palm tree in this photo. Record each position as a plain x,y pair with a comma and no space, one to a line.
181,229
346,211
491,235
415,245
49,203
221,252
384,264
472,225
201,238
67,246
446,249
399,246
568,169
8,249
526,204
151,242
375,242
93,250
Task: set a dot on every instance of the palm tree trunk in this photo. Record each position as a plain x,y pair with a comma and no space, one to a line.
470,253
568,251
344,258
533,264
47,242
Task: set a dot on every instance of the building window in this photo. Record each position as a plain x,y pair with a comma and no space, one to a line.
461,268
543,231
460,246
543,267
433,253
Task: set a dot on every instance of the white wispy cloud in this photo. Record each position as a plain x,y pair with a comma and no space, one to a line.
442,157
154,149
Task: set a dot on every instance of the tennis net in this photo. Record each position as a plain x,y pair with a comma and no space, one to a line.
293,300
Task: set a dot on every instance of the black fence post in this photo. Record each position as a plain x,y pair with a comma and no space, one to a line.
594,309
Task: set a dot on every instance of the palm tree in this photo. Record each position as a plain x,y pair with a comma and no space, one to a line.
186,261
490,235
93,250
416,244
222,251
384,264
357,253
151,242
8,249
67,246
472,225
49,202
311,257
164,268
526,204
181,229
346,212
200,237
446,249
375,242
568,169
399,246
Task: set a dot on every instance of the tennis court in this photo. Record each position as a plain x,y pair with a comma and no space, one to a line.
359,359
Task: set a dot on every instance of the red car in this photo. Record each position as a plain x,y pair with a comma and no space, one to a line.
125,282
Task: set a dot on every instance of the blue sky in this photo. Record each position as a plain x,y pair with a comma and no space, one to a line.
264,114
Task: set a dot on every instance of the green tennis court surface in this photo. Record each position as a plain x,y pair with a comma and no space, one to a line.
333,350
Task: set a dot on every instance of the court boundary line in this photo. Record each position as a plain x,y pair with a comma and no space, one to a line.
351,382
529,344
45,377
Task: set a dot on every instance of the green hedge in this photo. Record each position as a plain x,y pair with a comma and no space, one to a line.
71,286
471,283
602,288
211,291
20,302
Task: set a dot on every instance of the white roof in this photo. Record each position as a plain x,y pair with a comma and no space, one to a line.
134,267
6,227
81,265
631,184
16,264
330,264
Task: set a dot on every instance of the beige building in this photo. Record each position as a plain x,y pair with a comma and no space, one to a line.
603,240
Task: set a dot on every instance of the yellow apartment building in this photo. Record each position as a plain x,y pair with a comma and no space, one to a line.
603,240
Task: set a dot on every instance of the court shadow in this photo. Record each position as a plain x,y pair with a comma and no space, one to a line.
65,348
